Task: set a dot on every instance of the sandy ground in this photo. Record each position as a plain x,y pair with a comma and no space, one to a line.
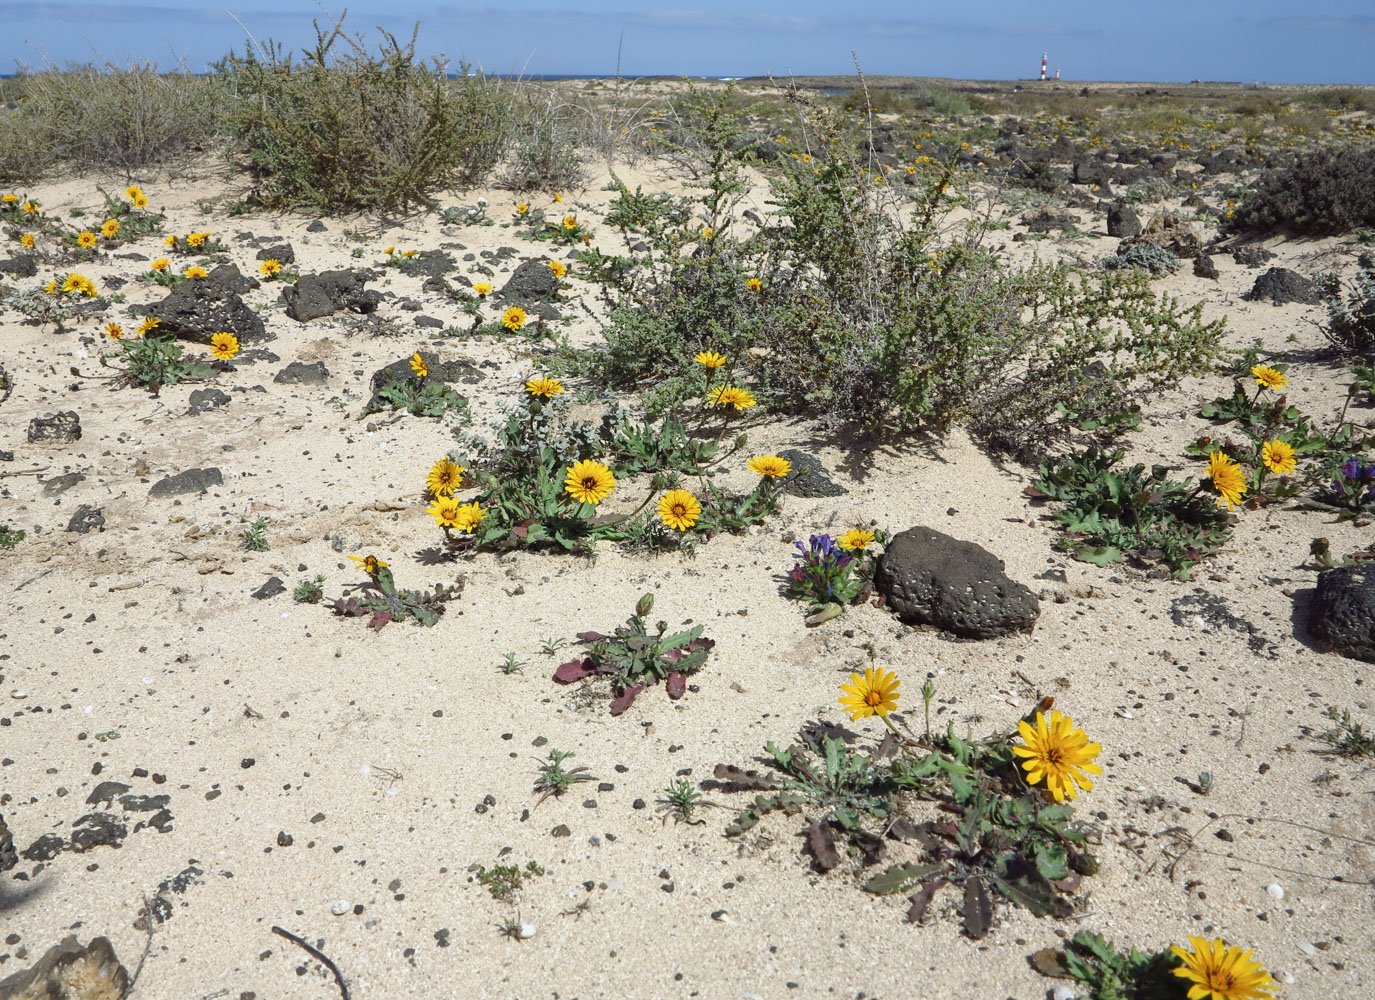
396,760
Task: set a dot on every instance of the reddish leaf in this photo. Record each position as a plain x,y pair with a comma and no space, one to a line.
574,670
592,637
380,619
823,845
921,899
625,699
677,684
1034,493
744,780
978,908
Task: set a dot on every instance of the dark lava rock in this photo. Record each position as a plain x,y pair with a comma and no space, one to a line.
228,276
531,280
97,830
317,226
58,485
1252,257
203,400
271,588
429,322
1090,171
8,857
190,481
323,294
105,793
448,372
1281,285
1343,612
930,578
45,848
283,253
1204,267
196,310
300,373
1123,222
429,264
22,265
68,971
815,482
1045,220
55,428
86,519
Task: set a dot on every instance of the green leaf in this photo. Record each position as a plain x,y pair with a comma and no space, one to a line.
900,878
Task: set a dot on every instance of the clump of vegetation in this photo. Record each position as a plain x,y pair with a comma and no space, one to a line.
1351,317
420,396
255,536
504,882
10,537
357,131
1348,738
1145,256
151,362
634,657
1327,190
382,602
66,296
1093,962
309,591
830,574
553,780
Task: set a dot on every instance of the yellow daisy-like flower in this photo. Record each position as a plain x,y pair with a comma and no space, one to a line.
196,271
558,267
679,509
224,346
770,465
79,283
149,324
1057,754
109,228
133,192
1269,378
140,202
51,287
389,251
171,241
1218,972
29,206
369,564
444,477
468,517
710,359
26,240
114,331
161,264
754,284
9,199
546,387
409,253
856,540
570,222
558,197
1278,457
589,482
482,289
513,319
418,365
270,267
444,510
729,395
522,208
197,239
1228,479
708,232
86,241
876,693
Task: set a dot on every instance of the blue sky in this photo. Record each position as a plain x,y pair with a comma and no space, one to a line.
1260,40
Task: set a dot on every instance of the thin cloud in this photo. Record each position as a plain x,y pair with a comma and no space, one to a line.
1322,22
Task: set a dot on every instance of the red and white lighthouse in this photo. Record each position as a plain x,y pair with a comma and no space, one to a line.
1043,65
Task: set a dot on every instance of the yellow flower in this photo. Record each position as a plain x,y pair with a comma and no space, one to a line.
708,232
26,240
133,192
444,477
9,199
522,208
29,206
679,509
161,264
558,197
1278,457
1058,754
570,222
1269,378
389,251
369,564
196,271
513,319
85,240
1218,972
409,253
770,466
546,387
79,283
710,359
856,539
876,693
270,267
171,241
729,395
149,324
109,228
114,331
444,510
482,288
468,517
196,239
140,202
418,365
589,482
1228,479
51,287
558,267
224,346
754,284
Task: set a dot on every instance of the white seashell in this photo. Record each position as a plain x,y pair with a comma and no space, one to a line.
1275,890
527,930
339,907
1063,992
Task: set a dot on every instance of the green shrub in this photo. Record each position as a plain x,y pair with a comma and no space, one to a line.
358,131
1325,191
545,153
1344,98
1351,319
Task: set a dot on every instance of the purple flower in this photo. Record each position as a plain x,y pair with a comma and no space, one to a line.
1351,469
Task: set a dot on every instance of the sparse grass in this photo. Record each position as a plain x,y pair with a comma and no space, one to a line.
553,780
255,536
1348,738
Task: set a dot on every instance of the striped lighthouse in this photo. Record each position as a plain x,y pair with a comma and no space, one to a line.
1043,65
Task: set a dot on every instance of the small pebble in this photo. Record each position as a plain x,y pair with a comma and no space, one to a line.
339,907
527,930
1063,992
1275,890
